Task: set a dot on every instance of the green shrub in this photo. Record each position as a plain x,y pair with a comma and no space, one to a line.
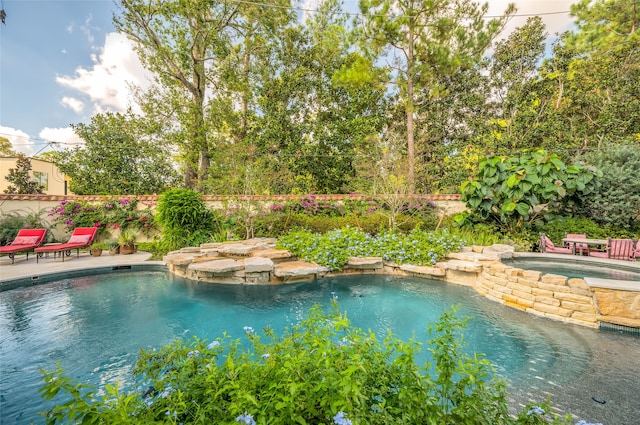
321,371
278,223
519,191
370,215
11,222
558,228
616,202
523,241
480,234
184,219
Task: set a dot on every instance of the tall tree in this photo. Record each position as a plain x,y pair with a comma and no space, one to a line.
21,178
316,115
6,149
235,115
118,157
593,75
513,75
181,42
451,141
425,40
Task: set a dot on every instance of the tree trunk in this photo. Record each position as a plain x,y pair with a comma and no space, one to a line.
411,156
245,97
200,128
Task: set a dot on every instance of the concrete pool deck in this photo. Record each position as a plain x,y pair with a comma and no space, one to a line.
23,269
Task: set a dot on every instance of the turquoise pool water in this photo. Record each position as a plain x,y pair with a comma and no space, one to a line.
575,268
95,326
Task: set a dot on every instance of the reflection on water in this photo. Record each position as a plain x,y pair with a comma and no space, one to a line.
96,325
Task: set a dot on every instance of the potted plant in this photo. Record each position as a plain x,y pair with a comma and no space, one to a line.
96,248
114,246
127,240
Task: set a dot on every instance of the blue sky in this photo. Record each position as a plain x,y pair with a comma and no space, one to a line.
61,62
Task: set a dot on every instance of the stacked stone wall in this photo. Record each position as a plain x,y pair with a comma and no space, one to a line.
553,296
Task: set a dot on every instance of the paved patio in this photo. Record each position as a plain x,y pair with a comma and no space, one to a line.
22,268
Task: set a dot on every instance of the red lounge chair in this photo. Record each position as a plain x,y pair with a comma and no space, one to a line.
26,240
546,246
638,250
617,249
82,237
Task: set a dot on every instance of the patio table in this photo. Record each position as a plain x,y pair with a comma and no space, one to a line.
575,241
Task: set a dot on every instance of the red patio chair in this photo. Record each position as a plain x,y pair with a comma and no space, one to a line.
25,241
82,237
579,247
546,246
616,249
638,250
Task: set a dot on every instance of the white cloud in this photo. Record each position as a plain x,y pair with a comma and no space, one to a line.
23,143
554,14
63,136
86,29
107,83
71,102
20,140
307,5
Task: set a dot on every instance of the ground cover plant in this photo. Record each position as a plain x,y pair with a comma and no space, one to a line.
320,371
334,248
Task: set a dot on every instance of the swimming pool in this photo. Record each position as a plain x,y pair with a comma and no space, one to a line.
580,268
95,326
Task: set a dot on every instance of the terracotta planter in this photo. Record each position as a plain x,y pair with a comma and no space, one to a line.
114,251
127,249
95,252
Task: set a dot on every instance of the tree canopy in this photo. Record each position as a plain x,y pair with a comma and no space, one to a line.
20,178
6,148
262,98
118,157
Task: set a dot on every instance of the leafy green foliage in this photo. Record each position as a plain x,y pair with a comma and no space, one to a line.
118,157
6,148
320,371
173,40
184,219
480,234
428,41
558,228
11,222
245,219
315,118
334,248
518,191
516,103
21,179
616,202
